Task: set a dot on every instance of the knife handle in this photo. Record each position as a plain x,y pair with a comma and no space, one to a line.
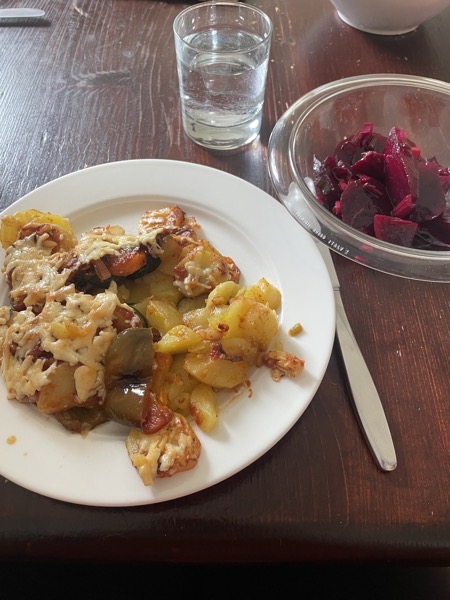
365,395
21,13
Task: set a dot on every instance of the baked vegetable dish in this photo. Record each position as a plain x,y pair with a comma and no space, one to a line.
140,329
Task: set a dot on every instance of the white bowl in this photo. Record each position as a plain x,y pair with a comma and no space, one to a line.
388,17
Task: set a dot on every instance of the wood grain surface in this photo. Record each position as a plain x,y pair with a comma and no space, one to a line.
95,82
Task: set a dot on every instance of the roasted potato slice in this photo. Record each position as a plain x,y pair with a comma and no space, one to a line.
12,224
178,340
204,407
247,318
216,372
264,292
172,449
162,315
155,285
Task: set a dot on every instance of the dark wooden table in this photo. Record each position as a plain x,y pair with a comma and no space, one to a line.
95,82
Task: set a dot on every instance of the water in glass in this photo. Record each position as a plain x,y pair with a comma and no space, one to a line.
222,93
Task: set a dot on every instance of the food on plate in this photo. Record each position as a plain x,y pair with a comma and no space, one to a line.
384,187
141,329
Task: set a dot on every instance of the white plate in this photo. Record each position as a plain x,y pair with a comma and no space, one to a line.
241,221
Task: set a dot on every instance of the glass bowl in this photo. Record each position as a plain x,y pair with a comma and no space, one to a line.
319,120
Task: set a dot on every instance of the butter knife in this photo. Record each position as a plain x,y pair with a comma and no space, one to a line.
365,396
20,13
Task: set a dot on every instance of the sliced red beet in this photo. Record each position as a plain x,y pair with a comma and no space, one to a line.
404,208
345,152
430,203
444,176
401,173
361,200
378,142
351,150
370,176
371,163
326,177
435,234
394,230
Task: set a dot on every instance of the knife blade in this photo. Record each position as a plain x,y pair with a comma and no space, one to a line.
20,13
365,396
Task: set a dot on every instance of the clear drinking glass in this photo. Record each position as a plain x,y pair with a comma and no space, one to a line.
222,51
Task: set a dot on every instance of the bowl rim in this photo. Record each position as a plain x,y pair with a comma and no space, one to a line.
310,101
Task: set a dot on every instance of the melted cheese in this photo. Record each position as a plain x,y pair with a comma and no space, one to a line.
102,241
34,272
61,325
73,327
70,327
201,270
31,268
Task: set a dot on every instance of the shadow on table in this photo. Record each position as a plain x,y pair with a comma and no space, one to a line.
175,581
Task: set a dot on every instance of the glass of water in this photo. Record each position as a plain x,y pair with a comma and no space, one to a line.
222,51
